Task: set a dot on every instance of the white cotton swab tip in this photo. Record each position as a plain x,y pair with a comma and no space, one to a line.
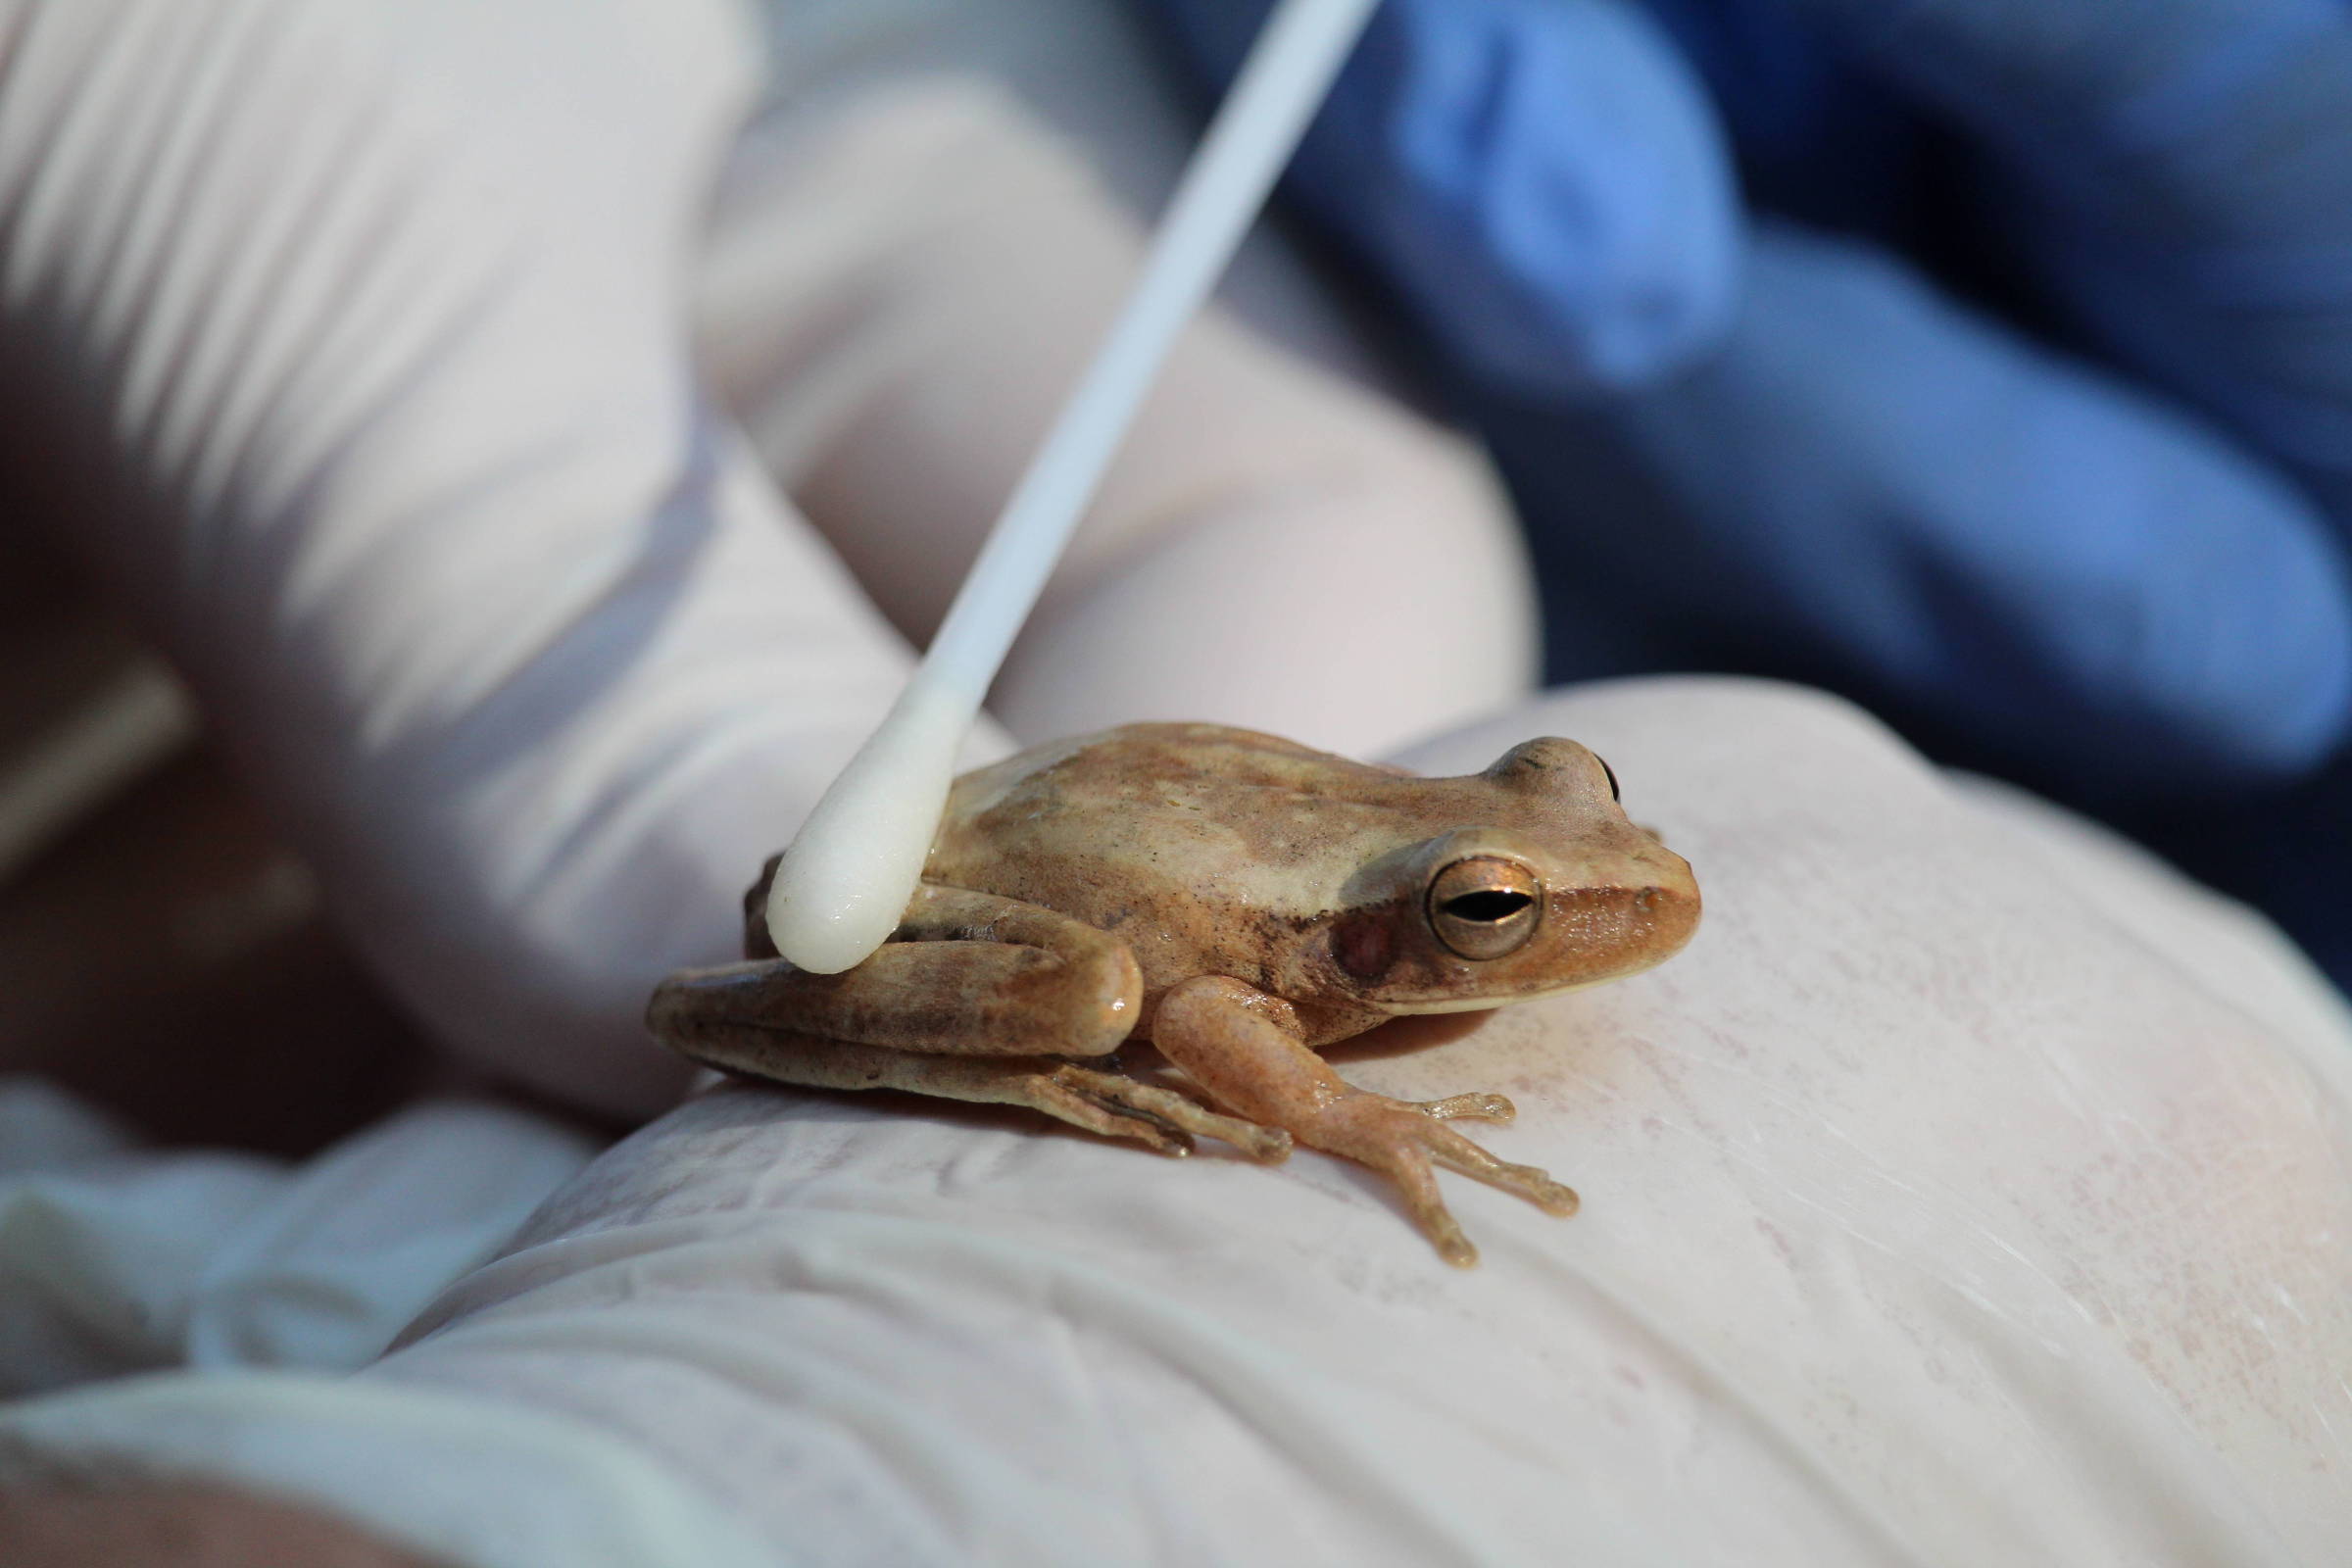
845,882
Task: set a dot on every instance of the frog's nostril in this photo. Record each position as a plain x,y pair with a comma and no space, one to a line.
1670,912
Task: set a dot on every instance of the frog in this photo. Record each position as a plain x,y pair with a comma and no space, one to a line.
1237,902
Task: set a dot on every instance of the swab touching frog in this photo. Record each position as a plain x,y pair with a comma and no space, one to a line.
1237,901
1235,898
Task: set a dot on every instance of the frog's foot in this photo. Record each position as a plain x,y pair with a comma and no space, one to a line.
1245,1050
1403,1140
1119,1106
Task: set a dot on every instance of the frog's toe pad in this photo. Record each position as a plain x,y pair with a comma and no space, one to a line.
1160,1116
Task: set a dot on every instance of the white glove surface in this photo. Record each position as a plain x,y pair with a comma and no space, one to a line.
1972,1191
123,1260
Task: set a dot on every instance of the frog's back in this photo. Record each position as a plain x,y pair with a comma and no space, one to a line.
1199,843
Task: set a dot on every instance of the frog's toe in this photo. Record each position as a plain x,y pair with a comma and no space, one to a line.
1401,1141
1478,1106
1078,1104
1409,1170
1525,1181
1120,1096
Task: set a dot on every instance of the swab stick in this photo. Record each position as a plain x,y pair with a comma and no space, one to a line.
848,876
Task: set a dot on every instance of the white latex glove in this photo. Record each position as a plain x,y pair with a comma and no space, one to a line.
351,337
120,1260
1972,1191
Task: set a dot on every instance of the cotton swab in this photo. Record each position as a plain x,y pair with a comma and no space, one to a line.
848,876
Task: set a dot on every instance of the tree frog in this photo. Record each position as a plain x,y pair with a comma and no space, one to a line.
1237,901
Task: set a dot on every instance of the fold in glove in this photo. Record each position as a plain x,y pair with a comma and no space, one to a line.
123,1259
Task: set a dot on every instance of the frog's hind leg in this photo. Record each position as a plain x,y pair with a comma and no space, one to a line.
1115,1103
965,974
1109,1103
975,998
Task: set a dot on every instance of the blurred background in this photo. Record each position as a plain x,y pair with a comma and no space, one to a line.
161,953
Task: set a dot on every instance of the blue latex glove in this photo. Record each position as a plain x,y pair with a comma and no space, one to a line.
2108,554
1543,182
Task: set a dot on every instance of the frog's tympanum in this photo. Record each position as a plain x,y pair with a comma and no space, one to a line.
1238,900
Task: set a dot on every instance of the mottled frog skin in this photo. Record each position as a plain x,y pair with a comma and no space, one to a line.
1237,899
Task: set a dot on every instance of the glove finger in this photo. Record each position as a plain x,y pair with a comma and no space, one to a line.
2187,168
1544,181
964,262
351,337
1902,497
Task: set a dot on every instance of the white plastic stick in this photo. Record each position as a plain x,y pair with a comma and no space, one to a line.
847,879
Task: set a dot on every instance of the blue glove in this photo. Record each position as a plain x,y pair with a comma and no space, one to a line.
2108,554
1544,183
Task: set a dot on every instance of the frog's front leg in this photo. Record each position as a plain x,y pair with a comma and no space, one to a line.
1248,1051
975,998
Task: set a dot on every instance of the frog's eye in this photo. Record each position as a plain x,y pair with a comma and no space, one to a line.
1485,906
1609,773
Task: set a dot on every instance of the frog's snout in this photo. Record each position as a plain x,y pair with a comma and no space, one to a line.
1631,923
1664,912
1626,927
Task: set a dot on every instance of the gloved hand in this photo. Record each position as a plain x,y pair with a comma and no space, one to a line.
1974,1190
353,340
2106,550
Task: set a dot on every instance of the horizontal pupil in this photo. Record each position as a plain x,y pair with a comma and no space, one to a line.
1487,906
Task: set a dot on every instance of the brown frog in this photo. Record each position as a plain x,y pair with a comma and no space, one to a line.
1238,900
